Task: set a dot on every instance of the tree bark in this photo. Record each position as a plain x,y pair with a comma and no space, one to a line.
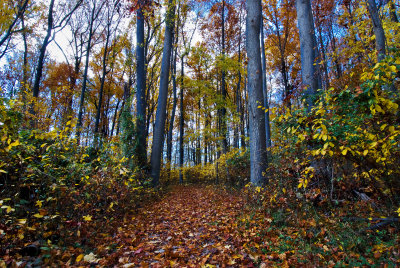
140,90
256,115
24,84
265,89
308,50
380,38
42,51
175,100
223,87
238,86
159,128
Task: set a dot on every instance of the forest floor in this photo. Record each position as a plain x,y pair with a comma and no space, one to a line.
191,226
210,226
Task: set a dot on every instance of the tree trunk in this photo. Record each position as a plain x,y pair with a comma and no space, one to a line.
256,116
378,30
308,49
140,91
238,92
172,119
392,10
42,52
115,118
223,87
181,124
159,128
24,84
265,89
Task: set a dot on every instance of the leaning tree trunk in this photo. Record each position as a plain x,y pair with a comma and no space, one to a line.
159,127
308,49
258,158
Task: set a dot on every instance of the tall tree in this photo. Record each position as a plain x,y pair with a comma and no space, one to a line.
174,89
140,87
308,49
256,115
223,85
159,126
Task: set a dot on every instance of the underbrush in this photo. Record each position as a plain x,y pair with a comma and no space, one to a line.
231,169
333,194
299,230
57,198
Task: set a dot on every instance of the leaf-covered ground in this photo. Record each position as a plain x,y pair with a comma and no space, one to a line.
209,226
191,226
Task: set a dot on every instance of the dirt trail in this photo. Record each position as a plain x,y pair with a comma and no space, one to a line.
191,226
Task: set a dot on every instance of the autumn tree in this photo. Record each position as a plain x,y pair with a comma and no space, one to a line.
56,20
113,19
12,14
93,11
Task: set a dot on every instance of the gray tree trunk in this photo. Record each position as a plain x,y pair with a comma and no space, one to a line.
308,49
159,127
265,89
258,158
181,124
378,29
175,98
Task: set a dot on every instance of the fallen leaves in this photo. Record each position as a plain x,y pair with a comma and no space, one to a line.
191,226
194,226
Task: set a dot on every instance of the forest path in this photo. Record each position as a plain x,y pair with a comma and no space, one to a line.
191,226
